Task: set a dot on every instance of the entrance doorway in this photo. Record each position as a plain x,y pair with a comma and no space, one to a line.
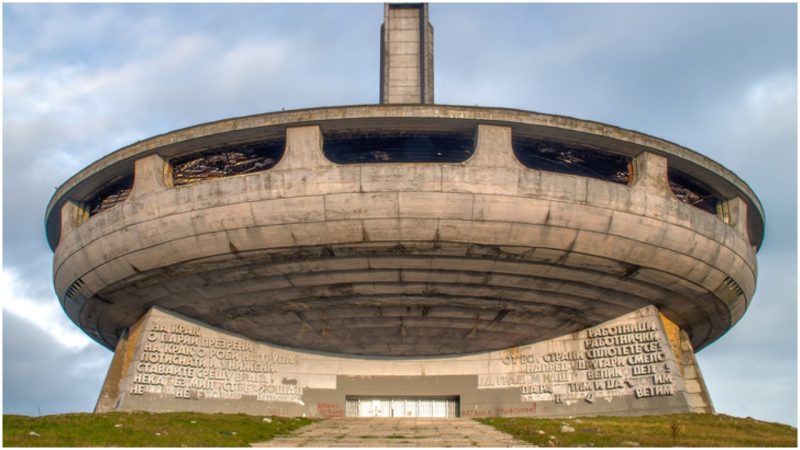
401,407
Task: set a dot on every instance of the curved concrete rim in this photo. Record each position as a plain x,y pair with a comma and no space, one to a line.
616,139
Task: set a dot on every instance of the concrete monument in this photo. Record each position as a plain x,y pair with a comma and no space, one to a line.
405,259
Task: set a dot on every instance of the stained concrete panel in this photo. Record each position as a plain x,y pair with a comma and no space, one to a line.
401,177
624,366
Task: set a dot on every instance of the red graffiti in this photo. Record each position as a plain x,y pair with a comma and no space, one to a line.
330,410
505,412
476,413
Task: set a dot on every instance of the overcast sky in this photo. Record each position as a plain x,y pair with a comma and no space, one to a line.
83,80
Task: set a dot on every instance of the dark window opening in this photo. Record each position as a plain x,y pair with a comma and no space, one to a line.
690,191
110,195
226,161
398,147
571,159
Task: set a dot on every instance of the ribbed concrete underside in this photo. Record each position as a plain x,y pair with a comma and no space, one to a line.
402,299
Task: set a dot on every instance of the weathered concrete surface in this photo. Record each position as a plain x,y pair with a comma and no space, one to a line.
110,394
698,395
408,117
359,253
697,392
406,54
623,367
383,432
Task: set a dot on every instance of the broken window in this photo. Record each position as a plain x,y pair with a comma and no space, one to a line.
690,190
572,159
226,161
110,195
398,147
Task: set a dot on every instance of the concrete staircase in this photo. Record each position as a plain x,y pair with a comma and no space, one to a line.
383,432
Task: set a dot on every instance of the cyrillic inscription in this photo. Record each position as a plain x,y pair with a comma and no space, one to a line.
603,362
182,361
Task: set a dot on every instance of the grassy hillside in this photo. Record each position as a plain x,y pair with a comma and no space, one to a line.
683,430
144,430
238,430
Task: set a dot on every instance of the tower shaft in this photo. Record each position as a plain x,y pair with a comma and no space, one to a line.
406,54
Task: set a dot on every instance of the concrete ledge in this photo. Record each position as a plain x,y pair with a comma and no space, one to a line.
558,127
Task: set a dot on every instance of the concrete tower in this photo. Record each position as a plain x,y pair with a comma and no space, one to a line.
406,54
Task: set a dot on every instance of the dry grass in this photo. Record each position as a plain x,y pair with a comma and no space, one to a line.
239,430
684,430
144,430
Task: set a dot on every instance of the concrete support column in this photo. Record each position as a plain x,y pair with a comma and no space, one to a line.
72,215
111,393
650,173
734,213
303,149
151,174
696,389
493,148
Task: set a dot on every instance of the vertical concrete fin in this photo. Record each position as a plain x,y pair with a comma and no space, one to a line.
111,393
650,173
493,148
72,215
697,393
673,333
734,212
303,149
406,54
150,174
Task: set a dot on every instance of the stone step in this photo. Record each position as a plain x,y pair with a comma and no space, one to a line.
393,432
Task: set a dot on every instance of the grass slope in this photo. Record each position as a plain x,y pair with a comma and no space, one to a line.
239,430
144,430
693,430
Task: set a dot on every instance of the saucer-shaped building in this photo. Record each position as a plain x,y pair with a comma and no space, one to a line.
403,258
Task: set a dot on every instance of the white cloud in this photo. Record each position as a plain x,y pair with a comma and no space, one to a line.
41,376
774,94
43,313
180,82
250,63
765,116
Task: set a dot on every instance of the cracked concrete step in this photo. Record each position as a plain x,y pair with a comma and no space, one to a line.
393,432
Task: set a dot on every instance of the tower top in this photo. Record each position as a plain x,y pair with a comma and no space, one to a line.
406,54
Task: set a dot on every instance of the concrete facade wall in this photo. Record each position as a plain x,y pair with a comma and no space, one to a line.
622,367
600,248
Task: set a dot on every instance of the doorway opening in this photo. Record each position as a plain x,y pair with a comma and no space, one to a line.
401,406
